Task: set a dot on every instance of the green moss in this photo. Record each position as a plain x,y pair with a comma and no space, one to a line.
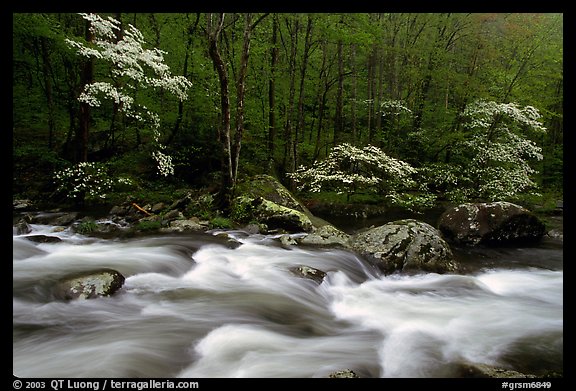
148,225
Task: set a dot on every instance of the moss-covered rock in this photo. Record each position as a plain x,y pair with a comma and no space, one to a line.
405,245
278,217
495,223
269,188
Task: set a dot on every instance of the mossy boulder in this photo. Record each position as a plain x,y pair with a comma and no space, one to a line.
278,217
269,188
495,223
405,245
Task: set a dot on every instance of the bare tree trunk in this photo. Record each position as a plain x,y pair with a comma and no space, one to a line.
213,30
338,117
272,92
305,58
240,92
84,123
288,161
354,94
190,34
46,70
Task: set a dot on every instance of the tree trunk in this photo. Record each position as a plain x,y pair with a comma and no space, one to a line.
46,70
305,59
354,94
224,198
240,92
338,117
190,34
84,123
288,161
272,93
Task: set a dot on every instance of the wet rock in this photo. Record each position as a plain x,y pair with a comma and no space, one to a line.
43,239
347,373
185,225
22,227
495,223
56,218
326,235
405,245
90,285
309,273
472,370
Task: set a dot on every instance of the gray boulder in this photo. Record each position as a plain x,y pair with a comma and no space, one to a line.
405,245
495,223
326,235
90,285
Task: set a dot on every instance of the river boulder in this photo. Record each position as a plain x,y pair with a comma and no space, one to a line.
326,235
89,285
269,188
495,223
405,245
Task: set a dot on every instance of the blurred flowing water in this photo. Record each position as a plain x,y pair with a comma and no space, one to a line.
197,305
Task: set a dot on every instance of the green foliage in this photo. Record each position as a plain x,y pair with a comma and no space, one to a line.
145,225
433,64
86,226
202,207
221,222
241,210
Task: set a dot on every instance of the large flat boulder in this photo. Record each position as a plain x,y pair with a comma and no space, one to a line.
494,223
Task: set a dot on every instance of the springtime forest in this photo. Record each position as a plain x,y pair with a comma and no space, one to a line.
285,195
454,106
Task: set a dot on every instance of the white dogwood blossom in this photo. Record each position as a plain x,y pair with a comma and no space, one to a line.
394,107
85,181
137,67
348,169
495,158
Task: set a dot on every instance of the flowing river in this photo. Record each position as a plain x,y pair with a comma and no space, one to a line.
203,305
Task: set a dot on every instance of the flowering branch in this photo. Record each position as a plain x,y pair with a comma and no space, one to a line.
137,66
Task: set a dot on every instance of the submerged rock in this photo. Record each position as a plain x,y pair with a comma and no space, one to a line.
495,223
405,245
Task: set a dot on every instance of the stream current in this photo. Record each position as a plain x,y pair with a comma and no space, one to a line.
204,305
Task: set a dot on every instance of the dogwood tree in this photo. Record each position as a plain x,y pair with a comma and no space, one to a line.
349,169
136,67
494,159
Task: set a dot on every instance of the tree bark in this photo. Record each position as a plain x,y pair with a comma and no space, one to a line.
338,117
272,93
240,92
84,123
214,28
